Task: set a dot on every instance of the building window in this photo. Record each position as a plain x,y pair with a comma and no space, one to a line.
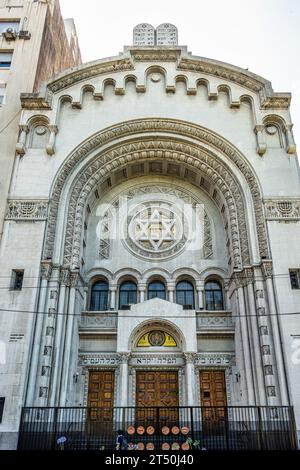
295,278
99,296
213,296
2,400
5,60
185,294
4,25
127,294
156,289
17,279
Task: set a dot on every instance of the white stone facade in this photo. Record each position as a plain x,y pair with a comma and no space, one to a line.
158,128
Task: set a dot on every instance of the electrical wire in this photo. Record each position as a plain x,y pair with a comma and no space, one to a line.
110,314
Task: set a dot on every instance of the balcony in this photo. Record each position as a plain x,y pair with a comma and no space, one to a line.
159,428
106,321
214,322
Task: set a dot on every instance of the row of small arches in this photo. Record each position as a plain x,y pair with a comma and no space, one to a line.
184,294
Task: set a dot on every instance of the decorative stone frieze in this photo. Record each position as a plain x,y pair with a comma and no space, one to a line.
271,391
98,321
215,359
43,392
26,210
282,209
99,359
206,321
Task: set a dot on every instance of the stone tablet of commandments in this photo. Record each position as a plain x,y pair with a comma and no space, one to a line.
144,35
166,35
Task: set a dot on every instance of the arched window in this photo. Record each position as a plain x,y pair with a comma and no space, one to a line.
99,296
213,296
127,294
185,294
156,289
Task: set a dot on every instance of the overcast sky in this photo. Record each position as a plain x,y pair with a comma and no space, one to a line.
261,35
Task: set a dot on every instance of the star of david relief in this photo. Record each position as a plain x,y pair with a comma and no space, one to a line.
156,229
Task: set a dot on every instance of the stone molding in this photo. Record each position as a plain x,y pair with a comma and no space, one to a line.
155,359
27,210
159,125
184,62
282,209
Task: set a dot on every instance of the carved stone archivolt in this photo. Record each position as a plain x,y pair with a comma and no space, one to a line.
26,210
137,151
205,161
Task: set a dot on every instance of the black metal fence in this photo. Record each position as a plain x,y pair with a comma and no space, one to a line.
159,428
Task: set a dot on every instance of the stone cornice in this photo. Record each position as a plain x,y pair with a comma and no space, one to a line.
184,62
157,54
35,101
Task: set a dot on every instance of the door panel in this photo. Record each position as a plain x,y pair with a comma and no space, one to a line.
213,394
101,394
157,389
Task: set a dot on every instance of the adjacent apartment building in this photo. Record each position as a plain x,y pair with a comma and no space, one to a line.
35,44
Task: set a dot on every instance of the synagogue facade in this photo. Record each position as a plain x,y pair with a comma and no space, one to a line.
151,237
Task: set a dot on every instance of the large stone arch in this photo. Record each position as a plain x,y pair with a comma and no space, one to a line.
189,144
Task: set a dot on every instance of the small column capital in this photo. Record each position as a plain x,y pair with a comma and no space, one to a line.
65,276
124,357
53,128
171,285
200,285
46,269
142,287
190,357
74,278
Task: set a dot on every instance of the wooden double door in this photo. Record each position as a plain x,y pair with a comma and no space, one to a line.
157,389
213,396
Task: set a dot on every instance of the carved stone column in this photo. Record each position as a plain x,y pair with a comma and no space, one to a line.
113,296
20,147
200,294
124,376
47,353
74,279
142,292
58,342
259,374
171,291
261,144
190,377
267,354
246,346
50,147
46,268
267,270
290,143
